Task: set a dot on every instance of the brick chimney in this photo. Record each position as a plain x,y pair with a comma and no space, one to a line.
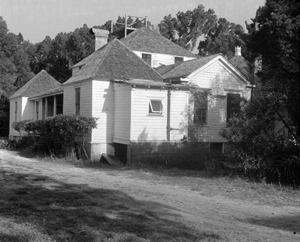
101,36
238,51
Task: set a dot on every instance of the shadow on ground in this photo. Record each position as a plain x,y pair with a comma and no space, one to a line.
289,223
67,212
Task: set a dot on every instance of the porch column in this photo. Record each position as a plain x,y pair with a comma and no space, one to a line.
46,107
54,106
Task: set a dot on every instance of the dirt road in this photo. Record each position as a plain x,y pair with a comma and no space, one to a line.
233,219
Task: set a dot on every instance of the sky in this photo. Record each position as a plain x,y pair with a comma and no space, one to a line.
36,19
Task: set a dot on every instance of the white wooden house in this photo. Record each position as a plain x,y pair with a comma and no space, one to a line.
31,101
139,108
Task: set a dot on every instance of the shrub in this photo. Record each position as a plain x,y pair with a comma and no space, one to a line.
263,154
60,134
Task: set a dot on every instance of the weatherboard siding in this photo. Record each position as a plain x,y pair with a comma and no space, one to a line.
12,131
153,128
217,76
122,113
85,98
179,114
147,127
161,59
27,109
220,80
103,109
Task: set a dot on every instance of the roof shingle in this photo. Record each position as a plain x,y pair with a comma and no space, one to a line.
185,68
114,61
146,40
41,82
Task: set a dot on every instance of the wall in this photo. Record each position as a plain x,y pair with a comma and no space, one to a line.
221,80
85,100
122,113
147,127
103,109
161,59
179,114
13,132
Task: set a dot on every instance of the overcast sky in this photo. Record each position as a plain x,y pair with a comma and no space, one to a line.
36,19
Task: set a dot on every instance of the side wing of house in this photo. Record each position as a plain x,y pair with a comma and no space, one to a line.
220,79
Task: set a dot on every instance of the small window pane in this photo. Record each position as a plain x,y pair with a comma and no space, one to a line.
155,107
178,59
147,58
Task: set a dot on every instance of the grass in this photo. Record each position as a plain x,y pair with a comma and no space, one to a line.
37,208
222,185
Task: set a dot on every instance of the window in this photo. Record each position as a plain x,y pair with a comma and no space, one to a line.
37,110
200,108
233,105
77,101
155,107
178,59
147,58
16,111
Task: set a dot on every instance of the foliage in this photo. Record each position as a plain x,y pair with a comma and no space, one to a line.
203,30
274,36
60,134
14,70
263,154
223,37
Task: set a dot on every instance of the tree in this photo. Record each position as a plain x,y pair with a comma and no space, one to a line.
14,70
275,37
222,38
202,30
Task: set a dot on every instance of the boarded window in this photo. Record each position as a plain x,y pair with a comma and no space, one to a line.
77,101
147,58
155,107
200,108
16,111
178,59
37,110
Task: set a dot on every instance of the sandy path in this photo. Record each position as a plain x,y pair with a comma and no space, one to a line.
234,219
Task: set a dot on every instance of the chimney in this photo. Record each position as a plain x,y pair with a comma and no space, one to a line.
238,51
101,36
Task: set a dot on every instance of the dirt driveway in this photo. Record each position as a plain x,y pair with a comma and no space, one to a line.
230,219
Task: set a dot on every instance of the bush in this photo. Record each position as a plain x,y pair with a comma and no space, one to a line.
263,155
59,135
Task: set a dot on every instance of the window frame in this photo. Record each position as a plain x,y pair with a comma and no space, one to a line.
147,59
16,111
152,112
77,101
201,111
37,110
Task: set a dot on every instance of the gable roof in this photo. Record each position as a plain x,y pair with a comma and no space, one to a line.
241,64
146,40
185,68
114,61
41,82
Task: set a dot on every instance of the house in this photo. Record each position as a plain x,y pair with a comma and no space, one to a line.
220,78
139,89
29,103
